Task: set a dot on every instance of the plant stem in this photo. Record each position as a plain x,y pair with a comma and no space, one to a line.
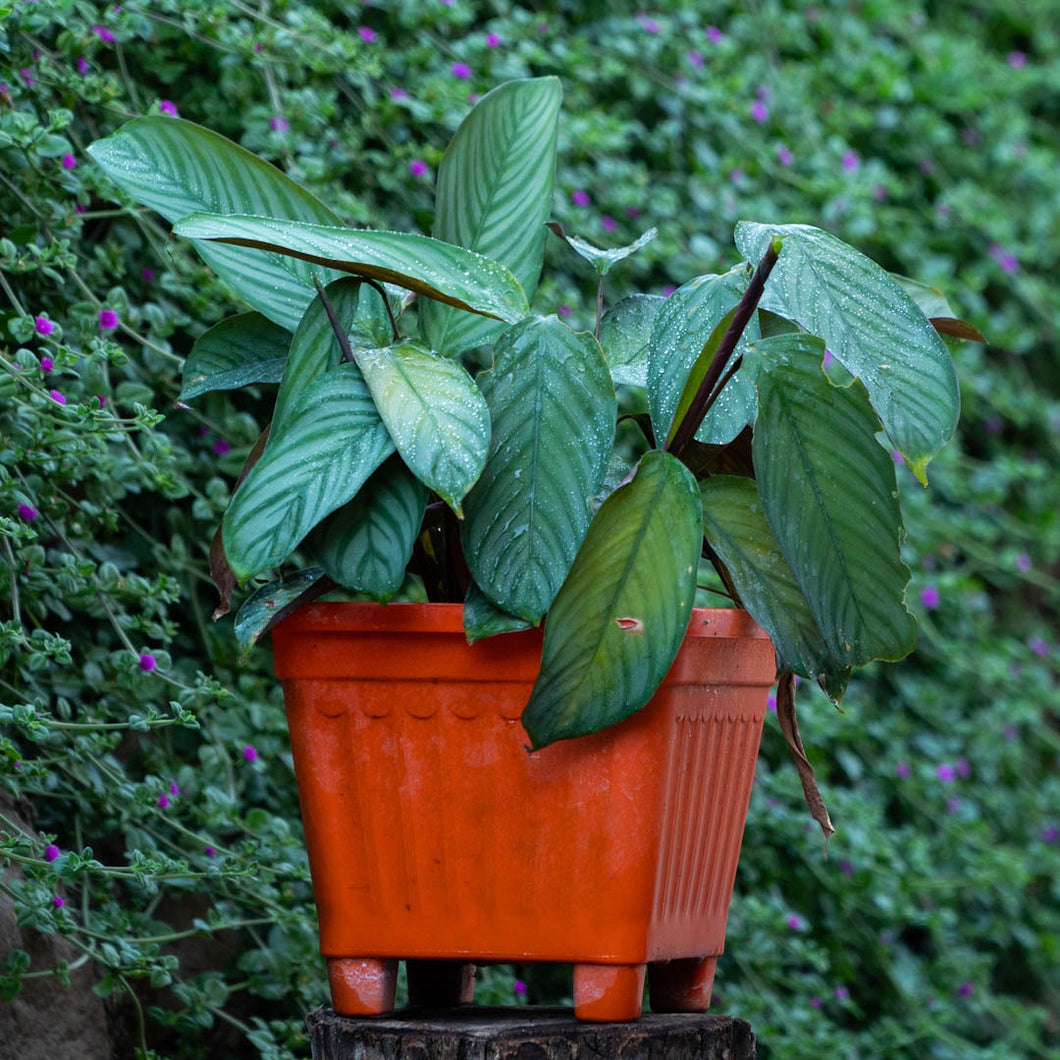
599,306
744,311
344,342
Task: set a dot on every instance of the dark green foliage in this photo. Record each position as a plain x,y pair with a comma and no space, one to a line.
922,134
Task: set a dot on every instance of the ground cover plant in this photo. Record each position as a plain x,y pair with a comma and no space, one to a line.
156,767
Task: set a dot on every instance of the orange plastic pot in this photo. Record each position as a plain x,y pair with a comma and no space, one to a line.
434,836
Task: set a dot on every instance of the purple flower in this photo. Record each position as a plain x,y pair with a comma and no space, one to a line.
760,112
784,155
715,35
147,275
147,662
929,597
579,197
1050,834
104,34
897,457
632,211
1023,562
1010,732
649,25
816,1002
108,319
221,446
794,922
46,364
82,66
367,34
966,989
167,106
695,58
250,753
735,174
564,310
101,399
43,325
1017,59
398,93
841,993
51,852
68,161
58,398
493,41
174,789
163,801
945,772
668,290
259,47
829,357
209,852
278,123
902,770
1007,261
608,223
851,160
519,988
417,167
771,702
27,75
846,867
953,804
27,512
58,902
461,71
964,767
1038,646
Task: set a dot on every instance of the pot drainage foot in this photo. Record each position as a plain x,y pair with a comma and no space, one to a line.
682,985
362,986
440,984
605,993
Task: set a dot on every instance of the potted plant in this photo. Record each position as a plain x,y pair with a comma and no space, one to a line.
579,794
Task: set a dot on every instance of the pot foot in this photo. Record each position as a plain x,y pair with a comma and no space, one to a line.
362,986
440,984
605,993
682,985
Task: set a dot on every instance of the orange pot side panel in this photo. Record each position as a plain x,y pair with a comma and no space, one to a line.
433,832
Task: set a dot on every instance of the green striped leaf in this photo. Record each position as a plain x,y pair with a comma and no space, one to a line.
315,348
682,329
739,533
333,440
495,194
873,328
367,543
273,602
427,266
828,489
435,414
236,352
553,410
482,618
176,168
625,332
620,616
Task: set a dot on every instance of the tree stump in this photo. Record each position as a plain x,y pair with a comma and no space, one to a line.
526,1033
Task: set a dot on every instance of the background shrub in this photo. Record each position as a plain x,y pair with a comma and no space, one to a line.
167,846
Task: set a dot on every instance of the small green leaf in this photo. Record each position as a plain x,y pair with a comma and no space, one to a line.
434,413
177,168
602,259
236,352
619,619
684,326
418,263
366,544
873,328
494,196
482,617
553,410
740,535
333,440
625,332
827,488
273,602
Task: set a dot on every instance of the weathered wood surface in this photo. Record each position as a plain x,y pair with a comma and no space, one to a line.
530,1033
